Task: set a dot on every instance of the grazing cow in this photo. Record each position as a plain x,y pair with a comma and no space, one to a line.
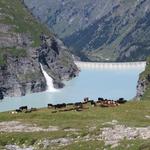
23,108
18,110
108,103
121,101
93,103
60,106
86,99
89,101
49,105
100,99
78,105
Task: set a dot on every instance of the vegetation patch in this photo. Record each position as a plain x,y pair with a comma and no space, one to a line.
14,52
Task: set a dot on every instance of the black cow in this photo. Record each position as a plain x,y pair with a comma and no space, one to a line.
100,99
78,105
49,105
18,110
23,108
93,103
86,99
60,106
121,101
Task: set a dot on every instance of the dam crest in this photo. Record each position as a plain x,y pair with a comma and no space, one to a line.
112,65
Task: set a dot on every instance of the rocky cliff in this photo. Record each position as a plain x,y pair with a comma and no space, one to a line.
24,44
99,30
143,87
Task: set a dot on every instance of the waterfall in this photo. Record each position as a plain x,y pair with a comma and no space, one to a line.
49,81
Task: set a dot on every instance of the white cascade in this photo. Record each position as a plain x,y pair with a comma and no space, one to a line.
49,81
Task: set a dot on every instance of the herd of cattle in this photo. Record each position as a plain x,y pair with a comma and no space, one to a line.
78,106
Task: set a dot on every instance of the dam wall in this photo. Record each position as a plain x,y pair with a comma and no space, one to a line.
113,65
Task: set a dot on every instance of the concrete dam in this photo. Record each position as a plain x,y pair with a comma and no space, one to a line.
113,65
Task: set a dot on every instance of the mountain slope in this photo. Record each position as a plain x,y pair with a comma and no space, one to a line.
143,87
99,30
24,44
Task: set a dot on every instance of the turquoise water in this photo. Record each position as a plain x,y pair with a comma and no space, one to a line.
93,83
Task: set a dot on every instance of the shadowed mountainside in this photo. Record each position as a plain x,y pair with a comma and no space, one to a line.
99,30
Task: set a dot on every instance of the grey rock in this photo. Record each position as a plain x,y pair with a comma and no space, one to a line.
20,70
141,88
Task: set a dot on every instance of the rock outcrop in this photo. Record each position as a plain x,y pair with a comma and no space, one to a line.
56,59
24,44
143,87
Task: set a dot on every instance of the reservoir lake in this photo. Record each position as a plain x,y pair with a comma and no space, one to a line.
110,83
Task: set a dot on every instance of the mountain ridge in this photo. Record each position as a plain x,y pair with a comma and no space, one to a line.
99,30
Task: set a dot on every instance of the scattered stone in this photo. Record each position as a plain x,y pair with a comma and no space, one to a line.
113,122
15,147
16,126
113,135
110,135
59,142
71,129
147,116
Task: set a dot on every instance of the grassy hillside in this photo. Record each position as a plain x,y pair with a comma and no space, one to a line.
79,125
14,13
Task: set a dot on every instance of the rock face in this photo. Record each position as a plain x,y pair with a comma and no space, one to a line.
24,44
99,30
56,59
143,87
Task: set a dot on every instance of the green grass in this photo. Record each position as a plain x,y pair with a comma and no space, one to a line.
97,145
134,145
131,114
90,145
27,138
14,52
